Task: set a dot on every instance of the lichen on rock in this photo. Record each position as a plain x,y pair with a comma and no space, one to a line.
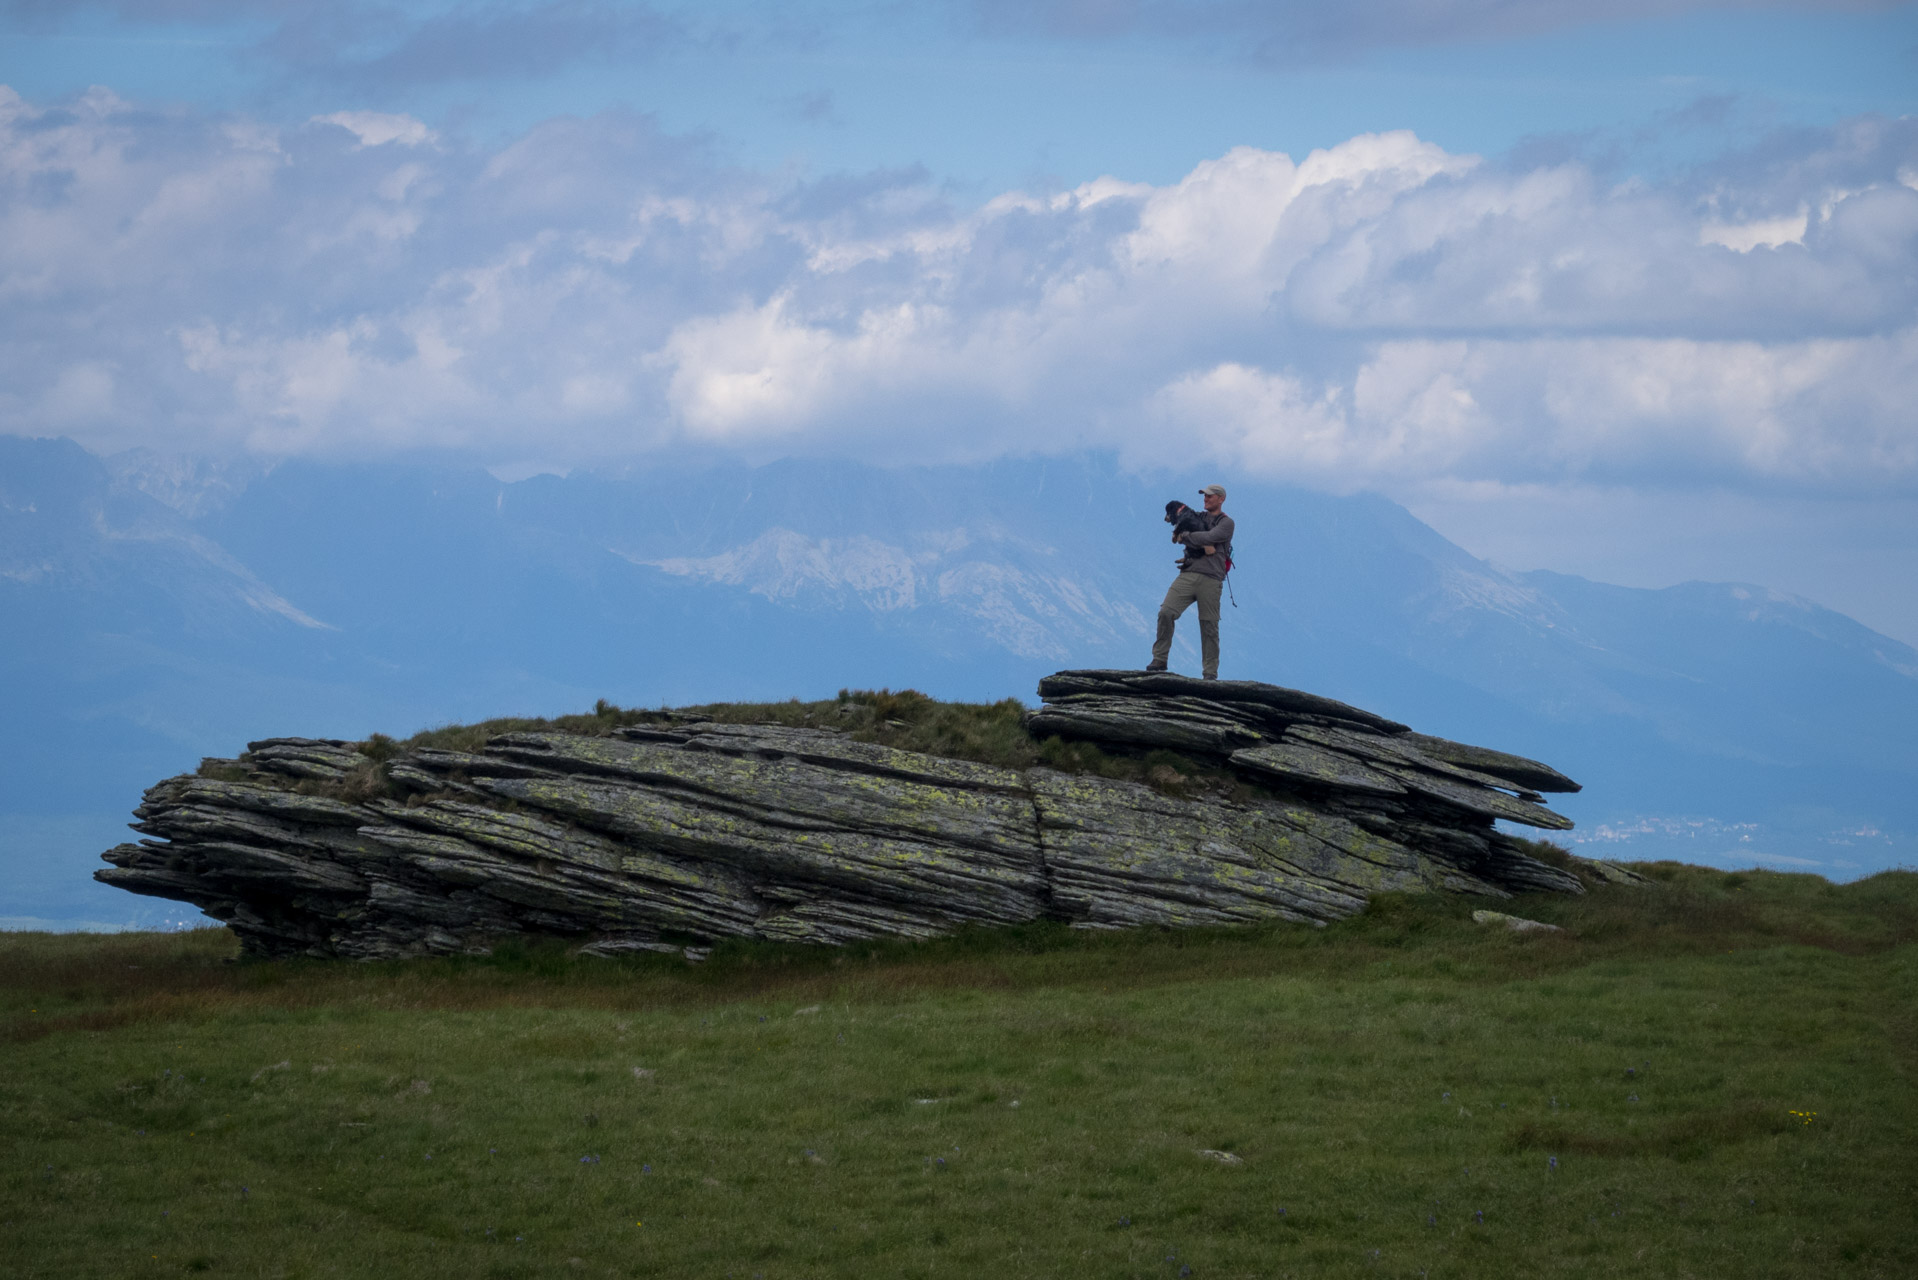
679,834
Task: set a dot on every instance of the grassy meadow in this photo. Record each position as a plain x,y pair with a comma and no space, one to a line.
1710,1077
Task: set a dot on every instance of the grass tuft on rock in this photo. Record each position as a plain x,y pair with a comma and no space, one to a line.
992,733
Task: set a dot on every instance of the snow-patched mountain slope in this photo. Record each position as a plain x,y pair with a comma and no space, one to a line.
1008,593
70,529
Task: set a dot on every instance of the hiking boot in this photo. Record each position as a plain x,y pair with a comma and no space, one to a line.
1155,665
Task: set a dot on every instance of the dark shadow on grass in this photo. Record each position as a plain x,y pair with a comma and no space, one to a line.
1687,1137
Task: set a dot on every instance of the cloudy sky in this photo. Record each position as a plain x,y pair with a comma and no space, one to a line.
1635,298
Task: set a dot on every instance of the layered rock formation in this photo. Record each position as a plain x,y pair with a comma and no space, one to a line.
681,833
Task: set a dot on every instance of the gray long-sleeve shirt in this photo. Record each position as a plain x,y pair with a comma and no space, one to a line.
1218,533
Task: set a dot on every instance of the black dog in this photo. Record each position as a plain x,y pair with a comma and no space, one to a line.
1184,519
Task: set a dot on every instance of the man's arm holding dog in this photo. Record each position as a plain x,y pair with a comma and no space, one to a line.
1217,536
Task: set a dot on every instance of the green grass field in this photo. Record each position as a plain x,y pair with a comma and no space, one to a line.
1711,1077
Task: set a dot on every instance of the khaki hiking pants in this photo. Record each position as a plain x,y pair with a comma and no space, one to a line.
1186,589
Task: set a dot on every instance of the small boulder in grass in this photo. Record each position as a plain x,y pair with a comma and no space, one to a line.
1223,1157
1517,924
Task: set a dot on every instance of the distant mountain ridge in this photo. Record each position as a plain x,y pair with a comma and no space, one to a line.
157,609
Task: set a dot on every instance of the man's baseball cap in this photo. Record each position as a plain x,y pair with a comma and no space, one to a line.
1214,490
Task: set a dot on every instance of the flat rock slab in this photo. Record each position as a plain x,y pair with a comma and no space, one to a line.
673,836
1298,742
1163,684
1517,924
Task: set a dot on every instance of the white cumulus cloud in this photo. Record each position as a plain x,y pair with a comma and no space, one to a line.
376,128
1378,312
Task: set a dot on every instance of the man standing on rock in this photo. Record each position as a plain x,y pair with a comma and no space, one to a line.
1201,579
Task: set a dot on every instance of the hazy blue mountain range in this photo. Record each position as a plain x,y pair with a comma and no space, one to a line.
154,610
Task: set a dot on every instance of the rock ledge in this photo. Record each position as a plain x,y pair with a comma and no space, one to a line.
678,835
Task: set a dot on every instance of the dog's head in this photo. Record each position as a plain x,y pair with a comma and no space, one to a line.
1174,509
